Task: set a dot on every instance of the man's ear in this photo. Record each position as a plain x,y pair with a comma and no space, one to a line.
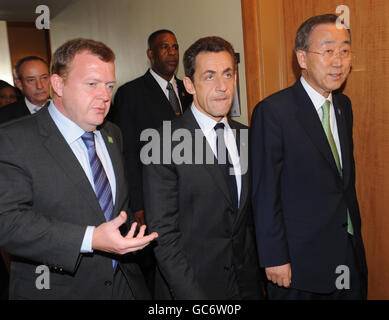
302,59
57,83
189,86
18,84
149,53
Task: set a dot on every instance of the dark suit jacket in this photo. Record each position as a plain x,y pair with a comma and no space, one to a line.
203,246
300,201
13,111
45,205
141,104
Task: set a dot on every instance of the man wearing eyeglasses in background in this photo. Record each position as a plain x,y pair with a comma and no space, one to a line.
32,78
306,211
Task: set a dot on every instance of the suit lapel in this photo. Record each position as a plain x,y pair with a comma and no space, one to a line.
344,141
310,121
158,97
212,169
182,94
58,148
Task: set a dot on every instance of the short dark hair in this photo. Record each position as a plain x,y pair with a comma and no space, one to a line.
64,55
154,35
5,84
207,44
18,64
304,31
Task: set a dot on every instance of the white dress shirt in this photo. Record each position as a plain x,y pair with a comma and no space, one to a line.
207,126
163,84
31,107
72,134
318,100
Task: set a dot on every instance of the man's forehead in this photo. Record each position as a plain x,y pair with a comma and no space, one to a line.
330,31
87,59
165,37
27,66
221,59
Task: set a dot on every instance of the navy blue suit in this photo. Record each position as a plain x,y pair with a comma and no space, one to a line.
300,201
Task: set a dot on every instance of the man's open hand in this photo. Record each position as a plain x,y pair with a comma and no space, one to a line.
107,237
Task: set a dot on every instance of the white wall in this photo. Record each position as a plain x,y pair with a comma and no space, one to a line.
5,59
124,25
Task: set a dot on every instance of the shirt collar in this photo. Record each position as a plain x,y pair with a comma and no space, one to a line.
69,129
316,98
206,123
161,81
32,107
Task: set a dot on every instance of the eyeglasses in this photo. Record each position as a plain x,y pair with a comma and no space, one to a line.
331,53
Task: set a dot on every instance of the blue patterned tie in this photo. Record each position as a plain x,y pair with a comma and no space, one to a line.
102,186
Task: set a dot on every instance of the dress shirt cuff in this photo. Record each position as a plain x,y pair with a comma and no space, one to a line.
86,246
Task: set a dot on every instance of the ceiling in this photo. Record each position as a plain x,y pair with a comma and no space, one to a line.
24,10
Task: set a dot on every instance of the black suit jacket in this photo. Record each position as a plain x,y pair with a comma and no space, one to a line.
13,111
141,104
45,205
204,249
300,201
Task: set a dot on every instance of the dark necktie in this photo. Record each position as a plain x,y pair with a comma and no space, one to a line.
173,99
223,159
102,186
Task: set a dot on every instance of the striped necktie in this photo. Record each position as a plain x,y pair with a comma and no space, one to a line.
102,186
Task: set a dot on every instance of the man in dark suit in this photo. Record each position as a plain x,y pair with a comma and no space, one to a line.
306,211
32,78
144,103
60,205
198,196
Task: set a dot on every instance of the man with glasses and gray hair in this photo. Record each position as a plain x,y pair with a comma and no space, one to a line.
306,211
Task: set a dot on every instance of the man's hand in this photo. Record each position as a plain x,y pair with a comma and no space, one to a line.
107,237
280,275
140,217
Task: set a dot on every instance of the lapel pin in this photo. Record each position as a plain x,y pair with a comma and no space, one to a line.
110,140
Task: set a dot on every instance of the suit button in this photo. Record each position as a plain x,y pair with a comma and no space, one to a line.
108,283
226,268
344,225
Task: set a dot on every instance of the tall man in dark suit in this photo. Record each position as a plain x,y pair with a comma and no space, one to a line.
308,223
33,79
198,200
60,206
145,103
